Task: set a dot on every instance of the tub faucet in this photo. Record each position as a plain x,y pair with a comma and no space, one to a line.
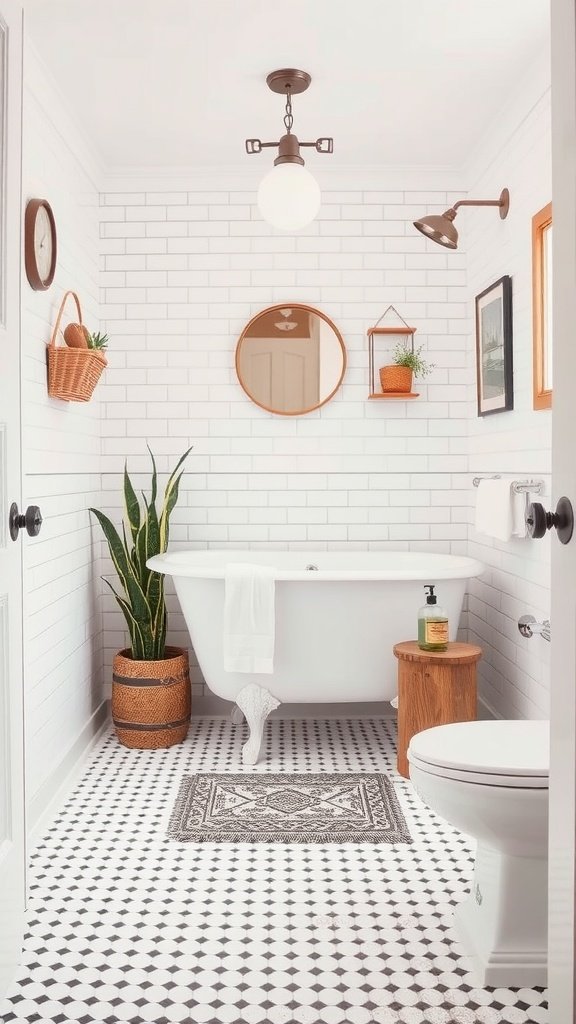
529,627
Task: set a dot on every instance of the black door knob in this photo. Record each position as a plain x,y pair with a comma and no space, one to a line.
539,521
31,521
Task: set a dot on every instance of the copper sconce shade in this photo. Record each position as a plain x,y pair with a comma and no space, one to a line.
440,228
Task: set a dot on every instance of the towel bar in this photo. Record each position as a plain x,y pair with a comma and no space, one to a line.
519,486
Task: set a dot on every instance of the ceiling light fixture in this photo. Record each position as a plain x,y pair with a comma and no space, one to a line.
289,196
286,324
441,228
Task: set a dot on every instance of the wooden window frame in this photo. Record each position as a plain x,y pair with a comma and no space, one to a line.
540,221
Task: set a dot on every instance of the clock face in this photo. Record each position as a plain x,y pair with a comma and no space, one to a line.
43,243
39,244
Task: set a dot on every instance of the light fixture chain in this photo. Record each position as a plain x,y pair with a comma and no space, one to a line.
288,118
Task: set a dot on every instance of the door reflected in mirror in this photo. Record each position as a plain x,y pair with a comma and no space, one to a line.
290,359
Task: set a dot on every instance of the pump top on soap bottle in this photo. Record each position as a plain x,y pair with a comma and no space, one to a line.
432,623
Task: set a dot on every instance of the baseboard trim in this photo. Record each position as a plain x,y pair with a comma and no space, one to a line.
52,794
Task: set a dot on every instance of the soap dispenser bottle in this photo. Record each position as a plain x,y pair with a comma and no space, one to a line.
432,624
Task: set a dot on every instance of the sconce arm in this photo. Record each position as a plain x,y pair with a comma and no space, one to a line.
503,202
256,146
476,202
322,145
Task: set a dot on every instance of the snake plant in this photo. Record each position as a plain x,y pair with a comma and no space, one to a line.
142,603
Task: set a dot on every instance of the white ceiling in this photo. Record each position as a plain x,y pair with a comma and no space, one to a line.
181,82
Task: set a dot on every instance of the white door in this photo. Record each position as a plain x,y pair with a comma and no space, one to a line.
282,373
12,851
563,693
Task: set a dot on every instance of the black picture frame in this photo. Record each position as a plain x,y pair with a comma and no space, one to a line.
494,348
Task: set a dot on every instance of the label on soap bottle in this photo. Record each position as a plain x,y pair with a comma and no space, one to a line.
436,631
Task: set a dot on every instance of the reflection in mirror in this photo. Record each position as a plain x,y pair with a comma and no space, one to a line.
290,359
542,306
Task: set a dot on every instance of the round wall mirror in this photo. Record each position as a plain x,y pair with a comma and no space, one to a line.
290,359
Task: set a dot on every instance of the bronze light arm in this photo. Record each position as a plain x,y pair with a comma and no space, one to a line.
289,147
503,202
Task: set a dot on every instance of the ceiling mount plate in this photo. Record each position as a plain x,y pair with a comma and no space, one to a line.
504,203
288,80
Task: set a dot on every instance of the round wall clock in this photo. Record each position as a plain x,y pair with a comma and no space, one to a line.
39,244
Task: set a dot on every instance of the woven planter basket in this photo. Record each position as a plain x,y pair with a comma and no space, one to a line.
396,378
151,699
73,373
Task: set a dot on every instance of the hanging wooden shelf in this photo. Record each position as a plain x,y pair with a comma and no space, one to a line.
394,395
391,330
402,330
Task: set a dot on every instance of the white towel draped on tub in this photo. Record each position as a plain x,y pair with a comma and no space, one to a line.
500,511
249,618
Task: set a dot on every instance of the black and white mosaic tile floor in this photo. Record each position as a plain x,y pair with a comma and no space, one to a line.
126,926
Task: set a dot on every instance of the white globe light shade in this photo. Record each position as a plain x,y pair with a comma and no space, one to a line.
289,197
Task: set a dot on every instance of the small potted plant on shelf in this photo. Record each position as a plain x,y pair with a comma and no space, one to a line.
407,363
151,683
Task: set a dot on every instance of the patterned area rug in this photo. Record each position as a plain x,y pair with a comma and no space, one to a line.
288,808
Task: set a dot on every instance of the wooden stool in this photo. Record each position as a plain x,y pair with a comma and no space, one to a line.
434,688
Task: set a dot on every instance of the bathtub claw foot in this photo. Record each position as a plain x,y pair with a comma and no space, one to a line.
236,715
255,703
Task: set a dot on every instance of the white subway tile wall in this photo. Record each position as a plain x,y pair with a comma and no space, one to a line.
181,271
354,474
61,459
514,673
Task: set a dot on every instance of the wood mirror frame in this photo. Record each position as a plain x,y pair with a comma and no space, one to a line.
541,340
280,310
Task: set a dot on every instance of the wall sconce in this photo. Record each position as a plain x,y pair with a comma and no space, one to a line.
289,196
441,228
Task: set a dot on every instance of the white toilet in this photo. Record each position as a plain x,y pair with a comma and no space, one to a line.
490,780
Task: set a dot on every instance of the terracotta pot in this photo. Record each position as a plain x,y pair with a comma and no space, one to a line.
151,699
396,378
76,336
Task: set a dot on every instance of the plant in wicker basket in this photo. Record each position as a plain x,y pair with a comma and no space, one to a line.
407,363
151,684
74,368
97,342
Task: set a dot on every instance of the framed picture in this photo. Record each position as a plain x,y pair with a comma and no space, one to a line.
494,379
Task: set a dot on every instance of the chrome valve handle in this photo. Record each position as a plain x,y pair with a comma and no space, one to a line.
528,627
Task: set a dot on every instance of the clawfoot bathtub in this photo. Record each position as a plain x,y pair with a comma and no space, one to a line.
338,615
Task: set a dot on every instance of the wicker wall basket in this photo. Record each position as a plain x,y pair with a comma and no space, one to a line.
151,699
73,373
396,378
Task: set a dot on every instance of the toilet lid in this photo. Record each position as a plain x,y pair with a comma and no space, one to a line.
479,778
515,750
